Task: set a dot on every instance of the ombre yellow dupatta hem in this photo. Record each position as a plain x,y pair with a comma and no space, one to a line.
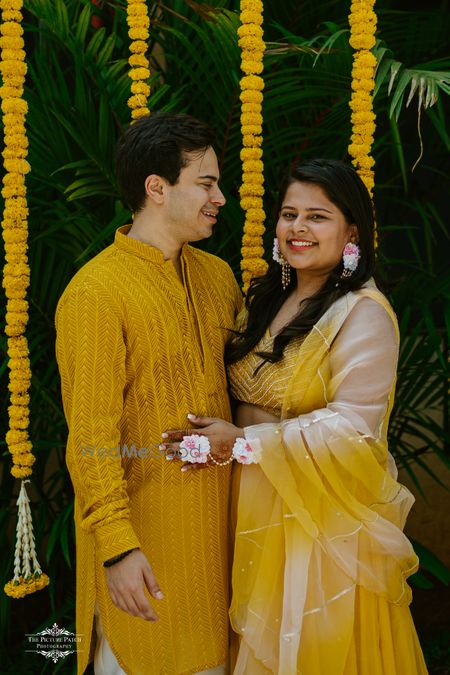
320,517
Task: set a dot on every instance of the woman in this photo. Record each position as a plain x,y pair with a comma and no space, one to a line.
321,562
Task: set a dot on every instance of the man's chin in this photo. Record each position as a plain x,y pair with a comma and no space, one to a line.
207,232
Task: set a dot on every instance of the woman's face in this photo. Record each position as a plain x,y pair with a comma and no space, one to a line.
312,231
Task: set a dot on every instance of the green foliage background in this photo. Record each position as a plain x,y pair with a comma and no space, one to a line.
77,88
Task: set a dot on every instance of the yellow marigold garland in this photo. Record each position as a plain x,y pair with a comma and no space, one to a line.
139,73
363,23
252,189
28,576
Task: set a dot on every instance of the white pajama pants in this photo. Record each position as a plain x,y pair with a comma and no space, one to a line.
105,663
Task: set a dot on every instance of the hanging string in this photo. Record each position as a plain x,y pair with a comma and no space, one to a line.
28,576
252,189
139,73
363,23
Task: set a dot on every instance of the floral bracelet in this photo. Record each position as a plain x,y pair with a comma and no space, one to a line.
196,449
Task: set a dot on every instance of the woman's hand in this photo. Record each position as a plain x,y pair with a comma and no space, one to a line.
221,435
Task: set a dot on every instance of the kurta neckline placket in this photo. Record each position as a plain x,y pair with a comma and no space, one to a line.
179,288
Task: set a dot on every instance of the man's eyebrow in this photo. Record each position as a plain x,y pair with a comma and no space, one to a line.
214,178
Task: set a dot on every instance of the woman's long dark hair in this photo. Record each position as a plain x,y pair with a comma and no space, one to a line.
345,189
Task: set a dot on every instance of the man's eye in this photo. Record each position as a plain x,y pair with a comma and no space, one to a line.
207,185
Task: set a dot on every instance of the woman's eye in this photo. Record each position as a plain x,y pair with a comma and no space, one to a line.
288,216
317,216
208,186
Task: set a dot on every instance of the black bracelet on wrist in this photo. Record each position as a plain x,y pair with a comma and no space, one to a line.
117,558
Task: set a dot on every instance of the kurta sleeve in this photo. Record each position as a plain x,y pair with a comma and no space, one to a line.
90,351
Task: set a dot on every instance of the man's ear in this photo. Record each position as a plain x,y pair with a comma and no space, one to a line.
154,188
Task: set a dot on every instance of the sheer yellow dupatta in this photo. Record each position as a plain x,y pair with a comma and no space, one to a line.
322,513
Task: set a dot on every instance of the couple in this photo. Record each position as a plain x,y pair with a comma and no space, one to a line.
320,560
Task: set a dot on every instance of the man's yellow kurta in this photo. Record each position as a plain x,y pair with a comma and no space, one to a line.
138,350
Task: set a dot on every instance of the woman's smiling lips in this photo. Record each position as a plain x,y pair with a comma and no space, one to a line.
300,244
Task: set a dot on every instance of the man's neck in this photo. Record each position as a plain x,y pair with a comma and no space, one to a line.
155,234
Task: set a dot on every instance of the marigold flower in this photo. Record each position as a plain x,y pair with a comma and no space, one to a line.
138,34
251,118
250,153
26,586
253,178
251,203
21,449
250,30
253,239
12,15
252,252
251,66
19,472
137,9
11,28
253,165
138,23
11,42
139,73
255,213
138,47
14,70
252,82
251,96
139,112
16,387
19,399
138,60
137,101
250,190
13,54
251,141
254,108
248,16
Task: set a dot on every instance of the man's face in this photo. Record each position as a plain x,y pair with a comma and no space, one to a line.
192,204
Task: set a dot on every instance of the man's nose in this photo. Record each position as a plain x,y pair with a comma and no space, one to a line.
217,197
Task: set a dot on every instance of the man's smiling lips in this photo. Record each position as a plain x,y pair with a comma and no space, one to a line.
300,244
210,214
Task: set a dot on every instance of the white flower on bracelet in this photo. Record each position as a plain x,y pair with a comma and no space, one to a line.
244,453
194,449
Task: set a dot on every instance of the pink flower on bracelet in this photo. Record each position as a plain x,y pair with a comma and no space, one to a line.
194,449
244,453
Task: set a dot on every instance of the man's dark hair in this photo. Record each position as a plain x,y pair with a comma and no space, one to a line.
157,144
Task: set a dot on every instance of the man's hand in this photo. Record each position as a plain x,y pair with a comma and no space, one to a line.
126,582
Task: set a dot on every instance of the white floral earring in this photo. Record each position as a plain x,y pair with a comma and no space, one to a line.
281,260
350,258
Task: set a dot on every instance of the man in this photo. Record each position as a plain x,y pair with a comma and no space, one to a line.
141,330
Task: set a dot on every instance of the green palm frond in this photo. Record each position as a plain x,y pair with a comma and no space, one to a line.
423,81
